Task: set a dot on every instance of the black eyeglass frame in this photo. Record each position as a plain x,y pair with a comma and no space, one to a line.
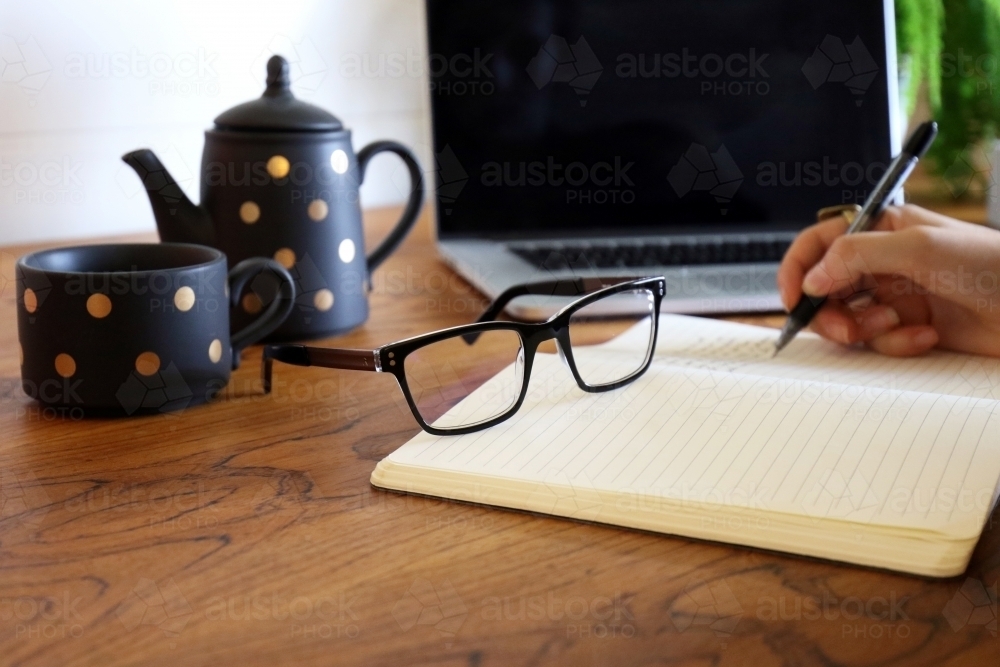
391,358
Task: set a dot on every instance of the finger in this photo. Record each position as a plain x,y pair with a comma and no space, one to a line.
923,227
805,251
876,320
934,258
851,258
838,322
958,264
911,306
895,218
812,243
834,322
908,341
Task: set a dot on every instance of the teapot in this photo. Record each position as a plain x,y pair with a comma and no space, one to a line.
279,179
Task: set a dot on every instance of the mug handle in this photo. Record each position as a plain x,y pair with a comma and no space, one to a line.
277,311
412,209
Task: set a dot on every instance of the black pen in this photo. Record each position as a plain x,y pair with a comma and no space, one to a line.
884,192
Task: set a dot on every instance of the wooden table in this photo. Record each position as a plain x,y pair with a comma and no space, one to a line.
246,532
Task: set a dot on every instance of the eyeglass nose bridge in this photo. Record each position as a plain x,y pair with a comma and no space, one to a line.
561,338
562,356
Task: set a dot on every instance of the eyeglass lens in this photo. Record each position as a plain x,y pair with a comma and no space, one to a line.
443,374
611,337
463,381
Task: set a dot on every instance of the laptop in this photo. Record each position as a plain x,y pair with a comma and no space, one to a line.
693,140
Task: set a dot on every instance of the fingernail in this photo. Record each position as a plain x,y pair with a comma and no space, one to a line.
881,320
926,338
840,332
813,282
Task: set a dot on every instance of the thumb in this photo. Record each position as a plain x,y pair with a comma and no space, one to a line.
911,252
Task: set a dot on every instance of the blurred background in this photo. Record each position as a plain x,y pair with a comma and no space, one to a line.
83,83
949,69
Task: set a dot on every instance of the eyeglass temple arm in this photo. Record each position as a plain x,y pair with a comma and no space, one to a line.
565,287
303,355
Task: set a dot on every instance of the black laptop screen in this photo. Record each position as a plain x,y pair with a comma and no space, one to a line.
612,116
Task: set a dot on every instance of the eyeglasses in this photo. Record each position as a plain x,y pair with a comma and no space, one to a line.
470,377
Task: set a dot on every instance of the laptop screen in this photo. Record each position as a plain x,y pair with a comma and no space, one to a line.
652,116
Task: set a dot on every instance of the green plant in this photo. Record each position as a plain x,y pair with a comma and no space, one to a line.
953,48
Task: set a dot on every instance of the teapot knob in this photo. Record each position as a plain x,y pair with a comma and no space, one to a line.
278,82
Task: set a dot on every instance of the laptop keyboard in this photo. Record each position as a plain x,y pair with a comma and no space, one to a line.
623,256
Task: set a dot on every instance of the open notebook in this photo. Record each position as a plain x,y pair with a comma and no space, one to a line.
823,451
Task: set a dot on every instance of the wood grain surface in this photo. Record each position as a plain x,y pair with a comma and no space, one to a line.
245,532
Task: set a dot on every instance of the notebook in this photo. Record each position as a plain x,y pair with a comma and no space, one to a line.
822,451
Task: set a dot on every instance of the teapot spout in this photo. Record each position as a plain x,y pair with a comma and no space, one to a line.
177,218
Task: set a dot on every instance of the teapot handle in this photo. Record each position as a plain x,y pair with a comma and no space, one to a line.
409,217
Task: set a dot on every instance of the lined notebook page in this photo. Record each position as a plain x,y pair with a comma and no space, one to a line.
728,346
819,431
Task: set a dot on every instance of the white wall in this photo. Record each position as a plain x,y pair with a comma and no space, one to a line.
171,67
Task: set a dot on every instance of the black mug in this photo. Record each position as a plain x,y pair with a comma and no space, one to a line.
128,329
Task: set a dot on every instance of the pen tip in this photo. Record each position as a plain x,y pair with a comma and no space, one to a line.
782,341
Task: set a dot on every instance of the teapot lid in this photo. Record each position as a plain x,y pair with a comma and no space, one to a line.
277,109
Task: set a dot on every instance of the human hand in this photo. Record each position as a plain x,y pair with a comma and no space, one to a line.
919,280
